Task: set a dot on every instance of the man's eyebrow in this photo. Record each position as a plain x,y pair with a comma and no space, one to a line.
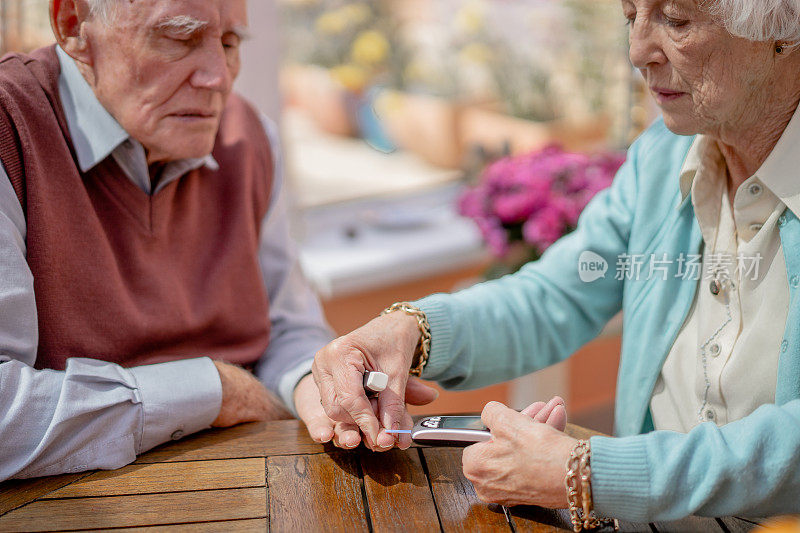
182,24
242,32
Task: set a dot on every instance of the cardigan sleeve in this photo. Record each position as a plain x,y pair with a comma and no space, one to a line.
750,467
526,321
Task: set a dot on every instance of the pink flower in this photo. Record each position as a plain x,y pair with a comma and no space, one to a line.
536,197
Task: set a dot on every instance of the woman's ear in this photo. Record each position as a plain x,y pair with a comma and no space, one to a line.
68,19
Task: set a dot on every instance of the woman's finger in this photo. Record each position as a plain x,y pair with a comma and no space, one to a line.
533,409
346,435
558,418
547,410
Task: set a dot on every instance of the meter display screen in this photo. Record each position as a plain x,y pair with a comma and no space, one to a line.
462,422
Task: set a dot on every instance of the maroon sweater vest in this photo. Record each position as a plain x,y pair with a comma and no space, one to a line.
126,277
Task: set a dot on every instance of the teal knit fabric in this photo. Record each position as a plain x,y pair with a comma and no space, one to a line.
539,316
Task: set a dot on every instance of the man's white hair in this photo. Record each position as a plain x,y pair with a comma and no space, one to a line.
760,20
102,9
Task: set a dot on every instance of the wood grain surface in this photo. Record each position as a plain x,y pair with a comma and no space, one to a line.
316,493
272,476
137,510
397,491
168,477
458,506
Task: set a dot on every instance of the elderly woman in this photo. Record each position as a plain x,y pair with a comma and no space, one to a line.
708,404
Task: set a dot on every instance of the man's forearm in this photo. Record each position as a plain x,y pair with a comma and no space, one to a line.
98,415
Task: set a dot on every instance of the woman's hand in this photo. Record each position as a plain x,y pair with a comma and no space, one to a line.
525,462
321,428
385,344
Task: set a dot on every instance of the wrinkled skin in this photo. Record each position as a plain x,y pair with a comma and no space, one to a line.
165,87
738,92
525,461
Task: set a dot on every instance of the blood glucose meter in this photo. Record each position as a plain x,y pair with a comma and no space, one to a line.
450,431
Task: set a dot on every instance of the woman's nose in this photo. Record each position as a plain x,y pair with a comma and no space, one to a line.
645,47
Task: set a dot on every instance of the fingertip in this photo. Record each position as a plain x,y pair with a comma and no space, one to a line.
533,409
385,441
558,418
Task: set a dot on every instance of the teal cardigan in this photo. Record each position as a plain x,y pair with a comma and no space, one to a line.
541,315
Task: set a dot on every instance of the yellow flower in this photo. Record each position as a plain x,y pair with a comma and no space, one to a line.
370,48
477,53
331,23
471,17
416,70
388,103
352,77
356,14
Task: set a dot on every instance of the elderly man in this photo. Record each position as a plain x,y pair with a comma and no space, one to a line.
144,253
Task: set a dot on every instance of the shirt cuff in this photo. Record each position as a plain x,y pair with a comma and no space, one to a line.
441,334
178,398
620,477
289,382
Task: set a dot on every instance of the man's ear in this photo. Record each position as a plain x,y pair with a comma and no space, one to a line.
67,18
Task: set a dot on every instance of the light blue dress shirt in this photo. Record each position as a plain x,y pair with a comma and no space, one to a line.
97,414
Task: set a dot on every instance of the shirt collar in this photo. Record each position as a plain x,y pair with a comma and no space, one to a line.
780,171
96,134
690,166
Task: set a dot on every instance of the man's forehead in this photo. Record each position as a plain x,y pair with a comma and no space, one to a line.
225,14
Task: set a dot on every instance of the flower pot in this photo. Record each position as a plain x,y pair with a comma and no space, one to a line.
496,132
327,102
423,124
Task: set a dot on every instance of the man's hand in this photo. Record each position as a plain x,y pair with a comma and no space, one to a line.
385,344
244,398
524,463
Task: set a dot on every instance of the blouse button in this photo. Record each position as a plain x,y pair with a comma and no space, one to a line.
710,415
784,346
715,287
714,349
782,220
755,189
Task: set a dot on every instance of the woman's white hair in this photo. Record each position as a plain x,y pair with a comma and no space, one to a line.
759,20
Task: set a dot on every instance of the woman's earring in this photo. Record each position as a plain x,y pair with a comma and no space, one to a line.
778,48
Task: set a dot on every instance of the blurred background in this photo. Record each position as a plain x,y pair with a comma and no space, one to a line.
434,144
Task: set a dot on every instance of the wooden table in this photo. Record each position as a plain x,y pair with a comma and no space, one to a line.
263,476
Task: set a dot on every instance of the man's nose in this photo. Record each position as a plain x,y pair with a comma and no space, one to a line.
645,48
213,72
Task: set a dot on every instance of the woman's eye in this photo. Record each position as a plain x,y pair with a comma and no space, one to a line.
675,22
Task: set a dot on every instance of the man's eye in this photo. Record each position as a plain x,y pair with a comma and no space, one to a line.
630,19
230,43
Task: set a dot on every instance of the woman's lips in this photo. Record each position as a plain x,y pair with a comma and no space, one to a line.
665,95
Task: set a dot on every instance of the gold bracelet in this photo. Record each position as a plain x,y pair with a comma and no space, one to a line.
578,482
423,350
